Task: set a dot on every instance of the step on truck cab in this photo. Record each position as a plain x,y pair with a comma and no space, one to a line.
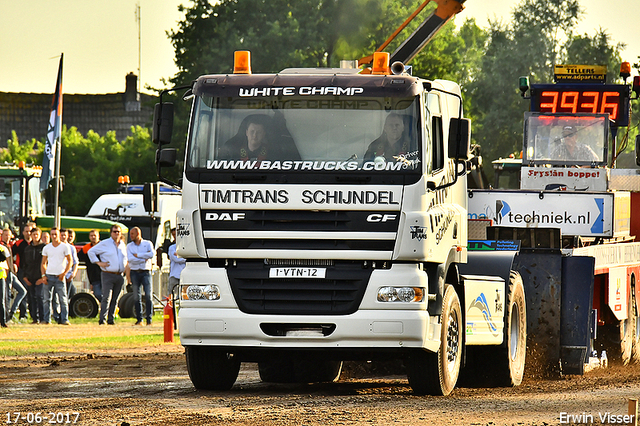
324,219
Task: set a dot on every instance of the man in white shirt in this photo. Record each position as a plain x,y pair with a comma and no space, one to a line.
71,288
111,256
140,252
56,262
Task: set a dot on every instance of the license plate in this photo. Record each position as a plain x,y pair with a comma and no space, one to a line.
297,272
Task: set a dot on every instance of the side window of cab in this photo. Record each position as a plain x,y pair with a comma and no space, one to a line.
434,143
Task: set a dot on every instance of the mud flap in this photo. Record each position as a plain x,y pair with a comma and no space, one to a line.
575,317
542,278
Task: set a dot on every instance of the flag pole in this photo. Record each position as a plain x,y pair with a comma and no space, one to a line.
58,149
57,185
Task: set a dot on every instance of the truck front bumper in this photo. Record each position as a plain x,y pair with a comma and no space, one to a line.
393,329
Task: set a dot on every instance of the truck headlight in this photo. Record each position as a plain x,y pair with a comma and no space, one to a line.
400,294
200,292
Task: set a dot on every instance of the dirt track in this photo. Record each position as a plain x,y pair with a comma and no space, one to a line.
150,386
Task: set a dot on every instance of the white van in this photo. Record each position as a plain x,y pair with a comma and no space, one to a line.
127,207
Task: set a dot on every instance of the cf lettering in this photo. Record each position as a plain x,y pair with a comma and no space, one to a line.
376,217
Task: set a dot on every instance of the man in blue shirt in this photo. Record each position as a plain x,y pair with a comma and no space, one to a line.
111,256
140,252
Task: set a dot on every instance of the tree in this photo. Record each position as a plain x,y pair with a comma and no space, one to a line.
91,165
302,33
16,152
540,36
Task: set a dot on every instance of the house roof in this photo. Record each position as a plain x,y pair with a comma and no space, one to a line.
28,113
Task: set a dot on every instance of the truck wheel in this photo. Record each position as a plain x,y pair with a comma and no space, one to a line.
628,333
211,369
618,339
292,369
503,365
509,362
437,373
317,371
83,305
123,306
635,353
279,369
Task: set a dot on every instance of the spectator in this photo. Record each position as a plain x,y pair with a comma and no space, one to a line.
4,253
12,282
68,279
31,261
46,238
176,265
140,252
111,256
93,270
56,262
17,249
69,238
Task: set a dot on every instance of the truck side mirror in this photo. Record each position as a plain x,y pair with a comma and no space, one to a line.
459,138
638,150
166,157
162,123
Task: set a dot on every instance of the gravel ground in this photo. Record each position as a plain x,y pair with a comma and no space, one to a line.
150,386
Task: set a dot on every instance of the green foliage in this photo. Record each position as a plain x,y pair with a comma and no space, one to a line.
302,33
91,165
540,36
15,152
596,50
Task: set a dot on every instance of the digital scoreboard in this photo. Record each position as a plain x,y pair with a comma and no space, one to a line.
612,99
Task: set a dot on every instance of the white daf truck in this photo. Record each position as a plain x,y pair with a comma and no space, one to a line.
324,218
330,245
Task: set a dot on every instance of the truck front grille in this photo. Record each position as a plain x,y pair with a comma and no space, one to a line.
339,293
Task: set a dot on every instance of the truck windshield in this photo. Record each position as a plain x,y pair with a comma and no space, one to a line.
566,140
11,198
302,134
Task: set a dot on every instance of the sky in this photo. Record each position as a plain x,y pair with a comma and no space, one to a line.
99,39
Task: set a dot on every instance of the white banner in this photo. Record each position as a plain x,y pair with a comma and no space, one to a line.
575,213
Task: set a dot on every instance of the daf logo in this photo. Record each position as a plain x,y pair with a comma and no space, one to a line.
224,216
376,218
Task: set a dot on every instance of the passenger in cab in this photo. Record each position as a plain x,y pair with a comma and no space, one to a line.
251,143
392,143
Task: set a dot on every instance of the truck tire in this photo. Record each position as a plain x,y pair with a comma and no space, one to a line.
437,373
83,305
123,306
628,332
635,353
509,359
317,371
211,369
278,369
293,369
503,365
130,307
618,339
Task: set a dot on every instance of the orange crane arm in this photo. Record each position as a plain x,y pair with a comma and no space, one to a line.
426,31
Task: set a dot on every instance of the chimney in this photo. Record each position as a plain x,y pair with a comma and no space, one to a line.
131,95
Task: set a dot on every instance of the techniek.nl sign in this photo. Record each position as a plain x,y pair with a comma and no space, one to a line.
586,214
